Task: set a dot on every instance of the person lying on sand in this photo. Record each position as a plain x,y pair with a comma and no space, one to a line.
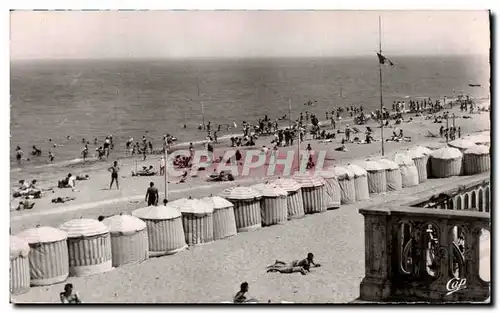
303,266
241,297
82,177
62,199
287,268
222,176
145,171
341,148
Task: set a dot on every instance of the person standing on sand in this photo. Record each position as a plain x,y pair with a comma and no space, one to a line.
68,297
152,195
19,154
85,152
114,174
162,165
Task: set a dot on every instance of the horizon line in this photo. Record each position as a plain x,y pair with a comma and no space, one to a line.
13,60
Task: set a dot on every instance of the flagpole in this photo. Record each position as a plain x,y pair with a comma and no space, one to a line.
380,80
166,172
289,113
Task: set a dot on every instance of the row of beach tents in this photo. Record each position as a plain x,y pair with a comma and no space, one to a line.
80,247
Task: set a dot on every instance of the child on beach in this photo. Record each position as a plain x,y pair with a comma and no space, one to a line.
114,174
68,297
240,297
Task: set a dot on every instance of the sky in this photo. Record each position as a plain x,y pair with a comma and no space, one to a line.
195,34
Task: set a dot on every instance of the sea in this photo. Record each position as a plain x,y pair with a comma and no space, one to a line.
87,99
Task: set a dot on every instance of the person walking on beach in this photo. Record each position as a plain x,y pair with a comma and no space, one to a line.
85,152
68,296
114,174
152,195
19,154
162,165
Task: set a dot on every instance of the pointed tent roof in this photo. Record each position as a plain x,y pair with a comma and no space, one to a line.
478,150
462,143
307,180
288,184
124,224
270,190
160,212
84,227
42,234
240,193
357,170
446,154
217,202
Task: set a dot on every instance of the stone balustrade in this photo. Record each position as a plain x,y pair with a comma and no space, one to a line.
414,247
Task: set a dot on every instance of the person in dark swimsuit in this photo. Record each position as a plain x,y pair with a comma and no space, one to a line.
114,174
68,296
240,297
152,195
19,154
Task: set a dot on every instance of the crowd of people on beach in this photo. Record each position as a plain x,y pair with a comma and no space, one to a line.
306,123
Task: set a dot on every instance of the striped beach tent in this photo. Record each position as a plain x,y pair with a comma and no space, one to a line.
273,204
224,220
393,175
313,192
197,220
89,246
377,180
129,239
446,162
48,258
409,172
19,266
295,203
165,230
420,156
332,188
346,183
477,160
246,203
360,181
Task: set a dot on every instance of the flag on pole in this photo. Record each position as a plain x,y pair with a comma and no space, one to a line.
382,59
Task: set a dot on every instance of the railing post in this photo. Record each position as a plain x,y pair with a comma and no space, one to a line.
376,285
476,287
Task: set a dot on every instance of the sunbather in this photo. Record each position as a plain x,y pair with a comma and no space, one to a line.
62,199
303,266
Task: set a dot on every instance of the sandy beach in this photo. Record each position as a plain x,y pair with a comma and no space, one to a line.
213,272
